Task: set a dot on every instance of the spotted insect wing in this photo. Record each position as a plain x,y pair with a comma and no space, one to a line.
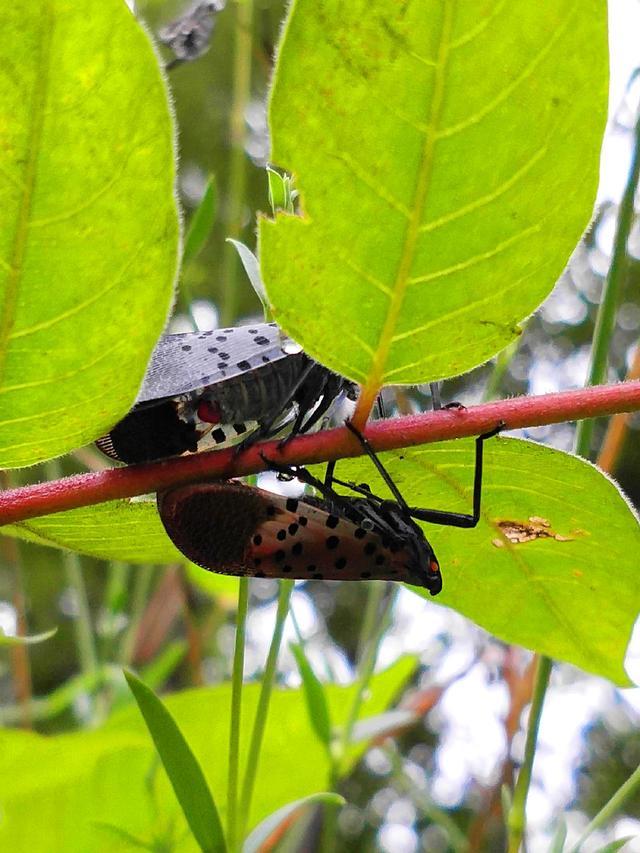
236,529
206,390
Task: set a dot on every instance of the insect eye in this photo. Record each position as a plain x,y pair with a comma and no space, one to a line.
367,524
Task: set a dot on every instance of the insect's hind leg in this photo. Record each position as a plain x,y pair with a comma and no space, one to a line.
460,519
306,477
378,464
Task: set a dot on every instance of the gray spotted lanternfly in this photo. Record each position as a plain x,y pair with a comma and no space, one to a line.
206,390
190,34
241,530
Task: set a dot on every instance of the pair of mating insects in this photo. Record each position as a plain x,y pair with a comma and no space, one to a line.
210,389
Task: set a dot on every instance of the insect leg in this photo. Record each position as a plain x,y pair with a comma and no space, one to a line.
436,401
380,467
460,519
266,424
308,479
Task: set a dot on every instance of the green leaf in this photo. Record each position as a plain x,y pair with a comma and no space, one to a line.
447,158
571,592
102,775
129,531
26,641
182,768
382,724
252,269
88,221
281,192
201,223
314,695
254,841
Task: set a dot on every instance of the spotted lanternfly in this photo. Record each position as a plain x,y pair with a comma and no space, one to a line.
189,36
204,390
241,530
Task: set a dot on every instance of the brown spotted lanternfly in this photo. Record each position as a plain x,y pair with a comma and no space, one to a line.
235,529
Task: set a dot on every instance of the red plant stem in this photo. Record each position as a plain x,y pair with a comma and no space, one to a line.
85,489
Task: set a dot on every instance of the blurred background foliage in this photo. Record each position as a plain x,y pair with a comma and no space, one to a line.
436,784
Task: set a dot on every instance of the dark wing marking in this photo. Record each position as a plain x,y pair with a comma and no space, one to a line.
183,363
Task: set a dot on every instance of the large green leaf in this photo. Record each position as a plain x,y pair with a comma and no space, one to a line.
129,531
84,778
447,158
571,591
88,221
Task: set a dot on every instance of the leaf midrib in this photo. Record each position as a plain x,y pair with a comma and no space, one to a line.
374,380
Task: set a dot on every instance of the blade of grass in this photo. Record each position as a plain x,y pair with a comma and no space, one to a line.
183,769
201,222
314,696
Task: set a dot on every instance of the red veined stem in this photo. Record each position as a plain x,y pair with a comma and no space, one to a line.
86,489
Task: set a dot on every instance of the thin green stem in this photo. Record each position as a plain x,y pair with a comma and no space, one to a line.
457,839
236,189
517,816
236,708
260,721
144,576
603,333
83,628
366,668
373,629
614,805
375,596
606,317
115,601
500,368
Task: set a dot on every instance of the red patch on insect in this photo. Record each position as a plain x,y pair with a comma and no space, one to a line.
209,412
241,530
